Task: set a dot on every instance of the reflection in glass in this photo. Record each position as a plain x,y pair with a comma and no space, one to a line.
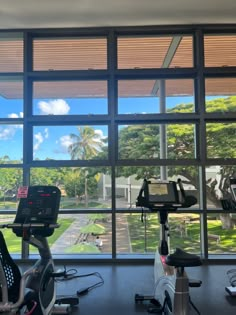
81,187
70,142
217,184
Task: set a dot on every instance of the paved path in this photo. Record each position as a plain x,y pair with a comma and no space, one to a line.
71,235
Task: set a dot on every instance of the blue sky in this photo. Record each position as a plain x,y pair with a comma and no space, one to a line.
53,142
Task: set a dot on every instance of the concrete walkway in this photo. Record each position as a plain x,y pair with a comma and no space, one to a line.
72,234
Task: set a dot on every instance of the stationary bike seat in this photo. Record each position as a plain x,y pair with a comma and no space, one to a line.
180,258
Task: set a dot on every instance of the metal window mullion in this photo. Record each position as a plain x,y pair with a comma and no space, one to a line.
27,130
113,137
201,135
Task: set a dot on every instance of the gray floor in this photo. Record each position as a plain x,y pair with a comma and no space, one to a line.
121,282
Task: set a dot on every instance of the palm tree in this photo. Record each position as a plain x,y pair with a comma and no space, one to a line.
85,145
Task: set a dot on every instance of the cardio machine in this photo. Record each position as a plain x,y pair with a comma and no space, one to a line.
34,290
171,291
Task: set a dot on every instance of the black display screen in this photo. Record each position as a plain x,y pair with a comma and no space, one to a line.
41,205
162,192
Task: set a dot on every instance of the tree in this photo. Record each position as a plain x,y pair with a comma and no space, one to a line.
10,181
85,145
142,142
74,183
47,176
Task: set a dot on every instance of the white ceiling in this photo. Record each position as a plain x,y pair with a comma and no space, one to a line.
24,14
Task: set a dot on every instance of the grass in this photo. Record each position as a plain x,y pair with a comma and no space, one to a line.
185,236
14,242
8,205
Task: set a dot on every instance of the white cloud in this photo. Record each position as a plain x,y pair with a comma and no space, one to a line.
64,142
38,140
7,132
54,107
100,133
14,115
46,133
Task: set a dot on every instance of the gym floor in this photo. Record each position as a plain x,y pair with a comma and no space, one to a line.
123,281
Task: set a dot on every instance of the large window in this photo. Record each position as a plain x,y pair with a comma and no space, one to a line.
52,54
156,96
96,111
11,52
70,98
155,51
70,142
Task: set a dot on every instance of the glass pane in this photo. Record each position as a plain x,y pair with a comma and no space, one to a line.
140,234
81,188
145,96
69,53
217,184
221,140
221,233
220,95
129,180
70,98
11,98
155,52
220,50
10,181
81,234
11,143
143,141
70,142
11,52
13,243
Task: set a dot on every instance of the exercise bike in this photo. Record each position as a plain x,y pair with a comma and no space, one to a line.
34,291
171,292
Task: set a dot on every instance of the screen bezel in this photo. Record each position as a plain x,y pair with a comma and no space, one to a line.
171,197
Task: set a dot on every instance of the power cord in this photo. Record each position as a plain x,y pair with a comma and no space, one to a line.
72,274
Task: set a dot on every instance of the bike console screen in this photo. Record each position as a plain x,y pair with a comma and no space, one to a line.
158,194
39,205
162,193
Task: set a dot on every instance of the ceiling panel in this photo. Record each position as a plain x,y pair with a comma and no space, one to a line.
17,14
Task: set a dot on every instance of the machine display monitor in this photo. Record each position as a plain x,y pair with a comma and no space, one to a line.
39,205
162,192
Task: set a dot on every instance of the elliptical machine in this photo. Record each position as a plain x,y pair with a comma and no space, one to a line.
35,220
171,292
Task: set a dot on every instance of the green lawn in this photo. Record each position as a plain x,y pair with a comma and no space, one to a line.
14,242
185,236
